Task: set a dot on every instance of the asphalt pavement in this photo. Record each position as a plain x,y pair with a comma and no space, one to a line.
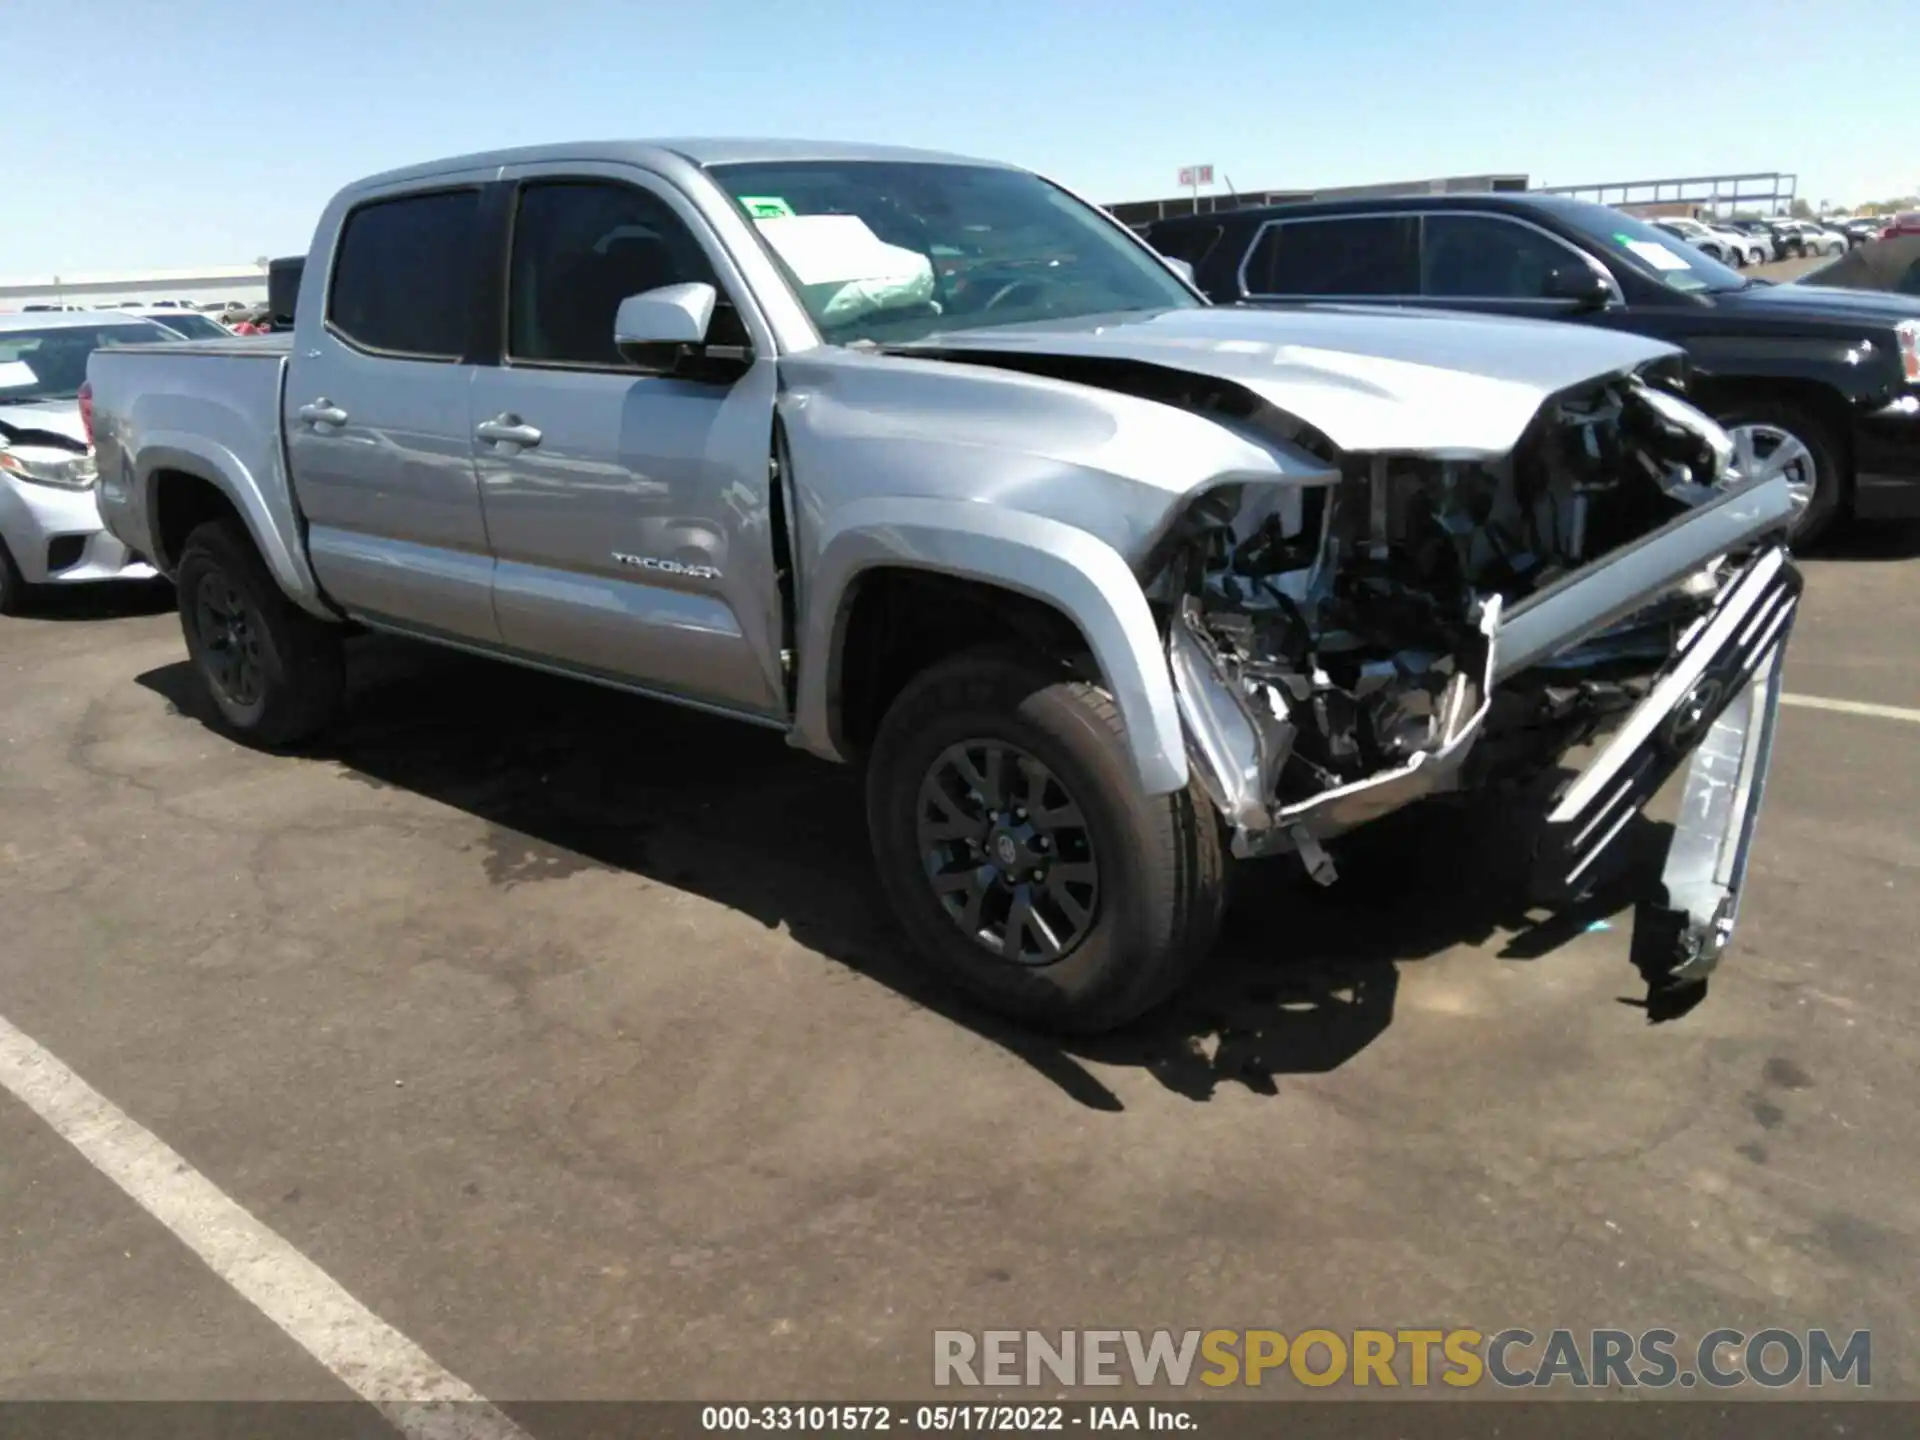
566,1033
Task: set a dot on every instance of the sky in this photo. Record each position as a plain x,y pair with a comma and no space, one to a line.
152,134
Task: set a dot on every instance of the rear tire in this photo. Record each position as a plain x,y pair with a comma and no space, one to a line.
1150,890
275,674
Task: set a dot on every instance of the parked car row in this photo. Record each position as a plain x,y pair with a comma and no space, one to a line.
1837,410
222,310
1724,243
1755,242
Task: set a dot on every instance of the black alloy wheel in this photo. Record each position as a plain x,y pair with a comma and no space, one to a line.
1007,851
275,673
230,639
1019,852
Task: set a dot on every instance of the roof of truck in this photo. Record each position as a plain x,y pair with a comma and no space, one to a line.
699,151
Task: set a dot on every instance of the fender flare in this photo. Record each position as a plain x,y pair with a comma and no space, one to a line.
275,536
1074,572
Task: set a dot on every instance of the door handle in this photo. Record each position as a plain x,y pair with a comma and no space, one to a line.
508,429
322,412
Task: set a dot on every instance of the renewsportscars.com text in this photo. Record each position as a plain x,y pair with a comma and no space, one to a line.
1513,1358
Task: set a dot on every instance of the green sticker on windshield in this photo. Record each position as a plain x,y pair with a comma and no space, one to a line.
767,207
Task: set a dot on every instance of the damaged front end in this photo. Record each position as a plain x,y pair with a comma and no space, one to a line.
1419,624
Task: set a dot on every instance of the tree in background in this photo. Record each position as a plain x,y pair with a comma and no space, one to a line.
1800,210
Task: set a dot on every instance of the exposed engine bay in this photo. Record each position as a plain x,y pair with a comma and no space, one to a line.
1343,649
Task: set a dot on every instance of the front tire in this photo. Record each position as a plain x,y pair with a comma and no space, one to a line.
1015,846
275,674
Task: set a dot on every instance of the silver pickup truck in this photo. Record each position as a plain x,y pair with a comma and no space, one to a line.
929,464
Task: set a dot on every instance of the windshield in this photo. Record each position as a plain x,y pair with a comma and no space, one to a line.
892,252
51,364
192,325
1664,257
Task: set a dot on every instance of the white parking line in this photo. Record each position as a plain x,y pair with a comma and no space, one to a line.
1853,707
377,1362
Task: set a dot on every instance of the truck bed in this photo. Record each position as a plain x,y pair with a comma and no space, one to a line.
199,406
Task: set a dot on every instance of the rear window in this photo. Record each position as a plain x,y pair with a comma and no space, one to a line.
51,364
1362,255
403,275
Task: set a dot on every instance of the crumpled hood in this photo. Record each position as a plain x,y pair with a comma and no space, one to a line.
58,417
1368,378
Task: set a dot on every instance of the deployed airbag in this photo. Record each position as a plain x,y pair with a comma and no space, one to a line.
844,270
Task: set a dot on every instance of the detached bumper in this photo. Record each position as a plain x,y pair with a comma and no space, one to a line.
56,538
1714,706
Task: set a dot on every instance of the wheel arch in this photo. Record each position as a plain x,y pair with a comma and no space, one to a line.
186,480
1036,578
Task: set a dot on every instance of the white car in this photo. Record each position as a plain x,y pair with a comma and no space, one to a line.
1727,246
1815,239
1752,249
187,324
50,531
1823,240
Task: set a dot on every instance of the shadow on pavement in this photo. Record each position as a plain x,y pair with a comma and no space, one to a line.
109,600
570,776
1884,538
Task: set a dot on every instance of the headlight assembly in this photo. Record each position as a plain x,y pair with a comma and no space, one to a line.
47,465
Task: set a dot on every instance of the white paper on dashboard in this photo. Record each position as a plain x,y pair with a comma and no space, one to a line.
821,249
1658,255
16,375
845,269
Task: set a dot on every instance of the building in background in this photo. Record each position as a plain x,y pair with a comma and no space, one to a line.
1769,192
1701,197
1138,212
205,284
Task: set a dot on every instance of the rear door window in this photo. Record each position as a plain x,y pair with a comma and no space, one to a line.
1358,255
403,275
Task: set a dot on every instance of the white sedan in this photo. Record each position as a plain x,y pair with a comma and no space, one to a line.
50,531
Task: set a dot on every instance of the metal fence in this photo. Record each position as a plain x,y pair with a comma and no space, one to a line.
1770,192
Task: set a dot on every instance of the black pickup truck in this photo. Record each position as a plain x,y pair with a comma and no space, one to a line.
1820,384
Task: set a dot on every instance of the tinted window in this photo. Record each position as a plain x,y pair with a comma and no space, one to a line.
1191,243
1366,255
1486,257
403,277
579,249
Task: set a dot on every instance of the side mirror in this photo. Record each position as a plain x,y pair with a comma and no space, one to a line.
650,328
1182,269
1583,285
